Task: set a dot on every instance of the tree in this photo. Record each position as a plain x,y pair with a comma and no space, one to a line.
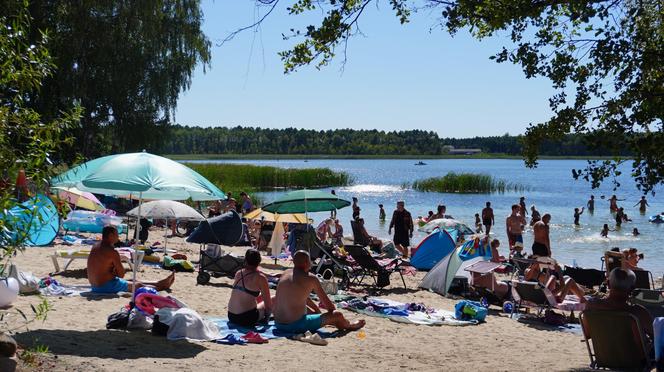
26,141
125,62
605,59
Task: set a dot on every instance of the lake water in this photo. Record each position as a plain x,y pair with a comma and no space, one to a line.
550,187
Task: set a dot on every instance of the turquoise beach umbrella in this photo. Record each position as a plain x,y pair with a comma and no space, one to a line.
305,201
150,176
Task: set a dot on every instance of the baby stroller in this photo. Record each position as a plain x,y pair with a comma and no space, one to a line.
213,262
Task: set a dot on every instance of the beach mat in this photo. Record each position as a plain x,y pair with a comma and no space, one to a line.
268,331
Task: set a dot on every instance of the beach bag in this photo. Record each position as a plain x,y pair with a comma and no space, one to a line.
383,279
118,320
470,310
329,285
27,283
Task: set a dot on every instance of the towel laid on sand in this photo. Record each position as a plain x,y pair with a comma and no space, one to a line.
268,330
403,313
185,323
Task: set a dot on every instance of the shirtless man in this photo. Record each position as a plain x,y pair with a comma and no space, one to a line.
514,224
105,271
290,310
487,218
643,204
542,244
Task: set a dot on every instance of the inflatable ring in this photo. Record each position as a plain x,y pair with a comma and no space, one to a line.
657,218
147,302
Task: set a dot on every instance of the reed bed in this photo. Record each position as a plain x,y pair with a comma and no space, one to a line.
471,183
230,177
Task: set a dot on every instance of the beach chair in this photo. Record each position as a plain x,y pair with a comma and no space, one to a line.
587,277
520,265
644,279
615,340
535,295
358,237
368,266
339,266
82,254
611,260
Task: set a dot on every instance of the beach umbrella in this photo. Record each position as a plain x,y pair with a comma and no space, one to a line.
167,210
305,201
150,176
80,199
447,224
259,214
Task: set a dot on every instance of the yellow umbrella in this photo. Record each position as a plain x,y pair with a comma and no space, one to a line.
259,214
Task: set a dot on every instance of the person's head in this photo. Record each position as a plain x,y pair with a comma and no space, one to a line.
606,226
613,197
109,234
401,205
546,218
333,192
229,195
522,199
354,199
336,222
477,215
643,198
243,194
576,210
621,281
532,207
635,231
488,204
515,209
495,243
440,208
380,206
615,249
443,209
329,221
252,258
302,260
592,197
430,213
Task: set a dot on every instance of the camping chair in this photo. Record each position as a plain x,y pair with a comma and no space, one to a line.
614,345
339,266
534,294
612,260
368,266
644,279
586,277
520,265
358,237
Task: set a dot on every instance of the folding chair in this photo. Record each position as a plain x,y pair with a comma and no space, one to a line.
358,237
651,299
534,294
644,279
610,338
368,266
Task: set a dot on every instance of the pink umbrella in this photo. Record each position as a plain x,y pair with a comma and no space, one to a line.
80,199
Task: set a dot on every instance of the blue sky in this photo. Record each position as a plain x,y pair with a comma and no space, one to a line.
397,77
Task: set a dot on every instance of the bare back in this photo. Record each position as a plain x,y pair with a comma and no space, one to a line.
487,213
103,265
291,296
541,233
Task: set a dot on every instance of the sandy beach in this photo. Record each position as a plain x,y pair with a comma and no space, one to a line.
75,333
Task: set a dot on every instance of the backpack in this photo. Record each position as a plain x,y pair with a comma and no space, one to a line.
470,310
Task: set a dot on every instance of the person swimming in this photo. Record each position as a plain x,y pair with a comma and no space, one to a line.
605,231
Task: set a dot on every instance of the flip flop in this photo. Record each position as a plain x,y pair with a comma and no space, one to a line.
255,338
312,338
231,339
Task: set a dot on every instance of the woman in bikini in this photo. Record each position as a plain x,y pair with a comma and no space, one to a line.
250,301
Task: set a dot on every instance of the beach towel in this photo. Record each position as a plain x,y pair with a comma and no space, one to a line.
404,313
187,324
268,331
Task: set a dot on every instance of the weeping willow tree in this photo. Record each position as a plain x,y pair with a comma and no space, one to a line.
124,62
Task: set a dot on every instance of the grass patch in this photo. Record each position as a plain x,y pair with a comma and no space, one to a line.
471,183
245,177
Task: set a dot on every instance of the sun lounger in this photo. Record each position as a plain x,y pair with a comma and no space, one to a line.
587,277
368,266
83,254
534,294
610,338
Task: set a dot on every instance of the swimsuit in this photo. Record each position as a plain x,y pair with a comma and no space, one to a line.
243,288
248,318
114,285
515,240
540,249
308,322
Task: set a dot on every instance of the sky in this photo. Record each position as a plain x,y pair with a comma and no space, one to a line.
397,77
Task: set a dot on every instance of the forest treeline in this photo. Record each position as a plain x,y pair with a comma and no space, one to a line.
292,141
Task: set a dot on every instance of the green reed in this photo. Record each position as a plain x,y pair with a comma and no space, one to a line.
477,183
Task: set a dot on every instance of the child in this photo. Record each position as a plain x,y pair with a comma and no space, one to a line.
636,232
605,231
381,213
478,223
577,214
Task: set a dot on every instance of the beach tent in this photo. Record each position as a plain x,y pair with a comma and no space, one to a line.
225,229
436,246
34,222
79,199
447,224
439,279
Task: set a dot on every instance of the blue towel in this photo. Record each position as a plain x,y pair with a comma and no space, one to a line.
658,328
268,331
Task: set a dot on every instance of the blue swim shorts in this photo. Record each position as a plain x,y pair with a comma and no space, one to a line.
309,322
114,285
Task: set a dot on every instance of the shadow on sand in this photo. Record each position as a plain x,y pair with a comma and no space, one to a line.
109,344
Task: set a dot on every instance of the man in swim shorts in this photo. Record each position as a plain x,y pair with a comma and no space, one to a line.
488,218
542,244
290,304
514,224
105,270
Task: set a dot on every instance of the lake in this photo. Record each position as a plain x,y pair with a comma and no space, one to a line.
550,187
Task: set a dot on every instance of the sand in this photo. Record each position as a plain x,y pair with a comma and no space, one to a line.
75,333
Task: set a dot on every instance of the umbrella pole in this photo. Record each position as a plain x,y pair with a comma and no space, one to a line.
135,253
166,235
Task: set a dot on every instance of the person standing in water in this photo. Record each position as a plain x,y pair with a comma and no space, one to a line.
613,203
488,219
605,231
577,213
542,243
381,213
620,216
522,205
643,203
591,204
356,209
534,215
514,225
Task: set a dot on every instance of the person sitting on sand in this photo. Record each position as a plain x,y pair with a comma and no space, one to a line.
106,273
547,271
621,283
292,295
250,301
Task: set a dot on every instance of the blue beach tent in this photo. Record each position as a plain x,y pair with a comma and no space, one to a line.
35,222
434,248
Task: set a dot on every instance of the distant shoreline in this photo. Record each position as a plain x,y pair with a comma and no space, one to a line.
395,157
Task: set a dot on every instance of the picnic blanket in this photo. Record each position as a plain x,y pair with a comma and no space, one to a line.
268,331
403,313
